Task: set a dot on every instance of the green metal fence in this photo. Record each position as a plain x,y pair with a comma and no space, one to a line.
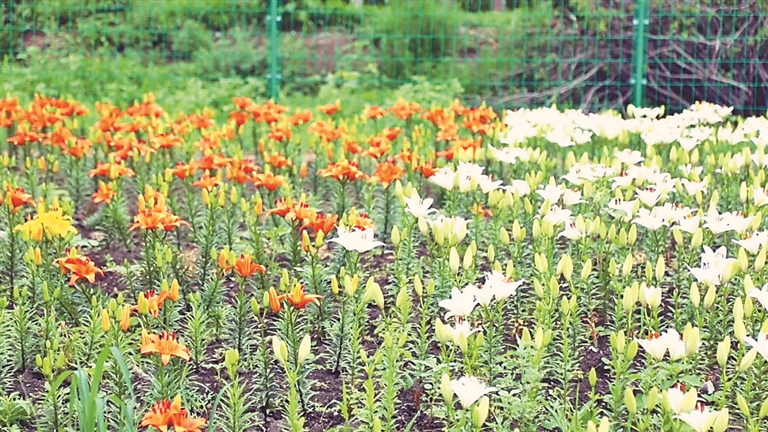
580,53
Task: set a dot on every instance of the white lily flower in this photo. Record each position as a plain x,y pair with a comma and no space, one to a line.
649,220
655,346
648,196
677,399
445,177
502,287
461,303
753,243
761,295
760,344
700,419
469,390
419,207
356,240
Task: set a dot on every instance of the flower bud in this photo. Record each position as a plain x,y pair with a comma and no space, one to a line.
442,332
739,329
721,421
104,320
723,349
453,260
660,268
504,236
747,360
445,389
480,412
763,409
630,401
395,236
652,399
626,268
304,348
695,295
231,358
709,297
760,259
418,286
280,349
466,262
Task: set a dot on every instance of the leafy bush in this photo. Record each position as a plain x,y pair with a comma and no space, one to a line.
476,5
412,45
235,54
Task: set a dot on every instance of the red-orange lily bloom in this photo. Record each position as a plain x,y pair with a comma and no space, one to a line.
104,194
299,299
245,267
80,267
166,345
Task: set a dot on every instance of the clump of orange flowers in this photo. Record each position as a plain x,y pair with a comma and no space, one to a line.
387,172
164,344
156,215
104,194
296,298
344,170
245,267
166,413
79,267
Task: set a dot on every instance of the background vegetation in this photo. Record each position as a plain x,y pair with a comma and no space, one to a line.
574,53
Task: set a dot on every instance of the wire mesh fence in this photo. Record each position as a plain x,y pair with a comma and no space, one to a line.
589,54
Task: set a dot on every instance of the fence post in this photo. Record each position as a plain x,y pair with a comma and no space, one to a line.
639,79
273,44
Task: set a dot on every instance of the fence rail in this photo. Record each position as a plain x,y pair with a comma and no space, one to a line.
583,53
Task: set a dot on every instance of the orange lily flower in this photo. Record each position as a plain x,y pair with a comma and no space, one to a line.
344,170
207,182
243,102
211,161
458,108
320,222
352,147
479,210
239,117
374,112
111,170
447,132
104,194
404,110
183,423
245,267
299,299
80,266
279,133
331,109
268,181
16,197
359,220
78,149
275,301
155,301
391,133
162,413
427,169
166,345
181,170
277,160
300,118
387,172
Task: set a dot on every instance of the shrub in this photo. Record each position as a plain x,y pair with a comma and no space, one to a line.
416,39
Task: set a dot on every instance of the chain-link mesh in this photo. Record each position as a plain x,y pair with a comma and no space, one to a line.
576,53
